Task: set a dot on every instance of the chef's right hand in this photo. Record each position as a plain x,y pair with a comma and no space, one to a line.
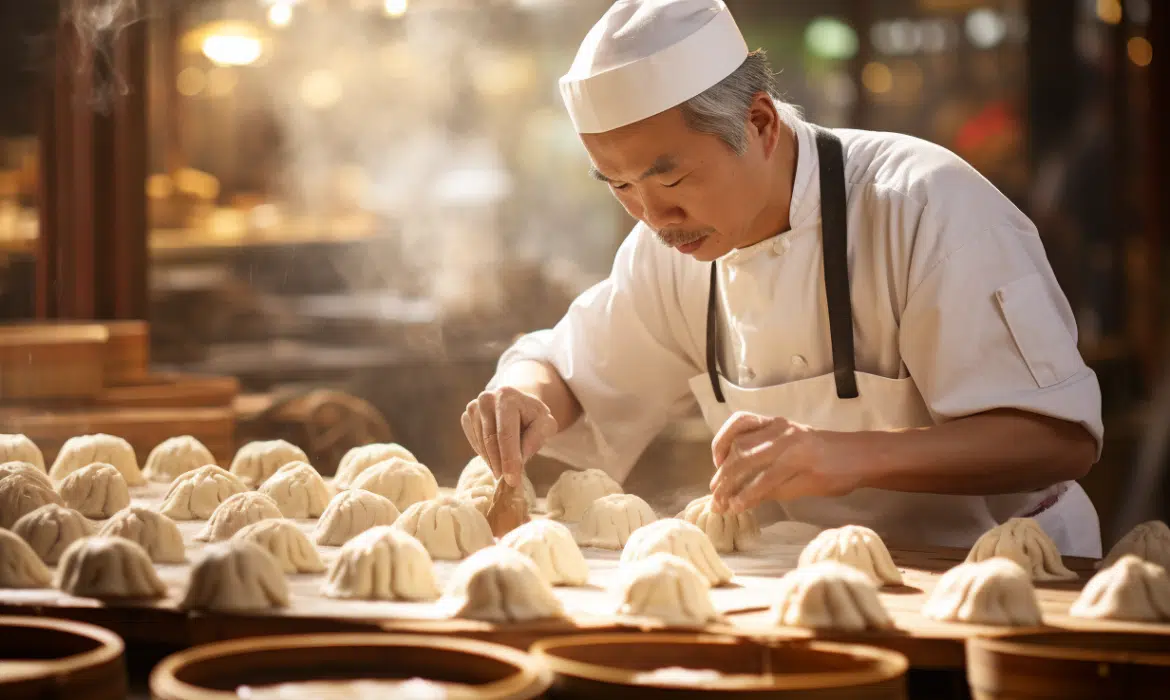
506,427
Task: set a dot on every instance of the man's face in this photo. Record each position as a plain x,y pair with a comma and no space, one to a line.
691,188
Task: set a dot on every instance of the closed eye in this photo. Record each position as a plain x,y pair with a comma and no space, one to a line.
676,182
621,186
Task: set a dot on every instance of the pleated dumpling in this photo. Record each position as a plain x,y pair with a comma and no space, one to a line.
667,588
259,459
83,450
551,547
158,535
50,529
298,490
609,521
1149,541
1128,589
477,481
382,563
1023,541
96,491
351,513
995,591
25,470
829,595
498,584
574,491
729,532
448,527
108,568
682,539
196,494
237,512
175,456
403,482
857,546
285,541
18,448
360,458
235,575
20,567
20,495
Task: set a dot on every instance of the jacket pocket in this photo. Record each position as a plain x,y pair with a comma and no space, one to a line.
1045,342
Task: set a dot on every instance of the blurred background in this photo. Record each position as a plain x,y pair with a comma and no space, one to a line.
373,197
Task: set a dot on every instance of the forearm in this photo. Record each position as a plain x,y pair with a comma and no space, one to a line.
542,380
990,453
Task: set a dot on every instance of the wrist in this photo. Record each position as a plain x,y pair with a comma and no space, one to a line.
868,455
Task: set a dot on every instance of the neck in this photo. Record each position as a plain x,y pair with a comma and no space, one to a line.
773,218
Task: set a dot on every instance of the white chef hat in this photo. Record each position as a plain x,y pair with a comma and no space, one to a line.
645,56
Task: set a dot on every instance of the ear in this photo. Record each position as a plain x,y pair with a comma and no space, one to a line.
764,122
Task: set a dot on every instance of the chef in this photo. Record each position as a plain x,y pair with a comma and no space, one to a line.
870,328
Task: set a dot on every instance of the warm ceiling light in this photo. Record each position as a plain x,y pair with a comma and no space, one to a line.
395,8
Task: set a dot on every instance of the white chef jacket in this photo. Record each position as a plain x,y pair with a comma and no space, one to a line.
949,283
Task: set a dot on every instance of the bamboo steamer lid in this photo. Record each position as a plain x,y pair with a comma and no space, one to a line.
608,665
1069,664
127,353
42,657
49,360
482,670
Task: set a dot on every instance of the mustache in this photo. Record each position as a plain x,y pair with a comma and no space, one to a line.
675,236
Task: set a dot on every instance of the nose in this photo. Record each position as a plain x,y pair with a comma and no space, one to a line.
659,213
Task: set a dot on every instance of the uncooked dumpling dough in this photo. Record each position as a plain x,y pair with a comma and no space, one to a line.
729,532
668,588
83,450
857,546
155,532
20,495
477,476
298,490
682,539
351,513
360,458
108,567
829,595
994,591
285,541
235,575
1149,541
448,527
382,563
1023,541
574,491
1128,589
608,521
237,512
96,491
403,482
550,546
196,494
175,456
25,470
258,460
20,567
497,584
50,529
18,448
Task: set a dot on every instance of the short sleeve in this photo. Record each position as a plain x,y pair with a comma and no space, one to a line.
616,349
988,328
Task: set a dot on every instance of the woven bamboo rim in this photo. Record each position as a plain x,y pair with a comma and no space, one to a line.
110,648
1072,645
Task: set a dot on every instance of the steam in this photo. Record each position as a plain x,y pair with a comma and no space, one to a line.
99,24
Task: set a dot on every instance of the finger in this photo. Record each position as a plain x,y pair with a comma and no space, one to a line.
766,485
508,438
489,435
739,423
470,426
745,453
536,434
737,470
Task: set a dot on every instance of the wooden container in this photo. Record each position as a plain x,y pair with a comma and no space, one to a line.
474,669
608,665
127,351
51,360
1069,665
45,658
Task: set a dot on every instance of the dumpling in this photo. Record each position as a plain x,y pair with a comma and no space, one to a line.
550,546
682,539
175,456
995,591
1149,541
196,494
574,491
285,541
497,584
235,575
84,450
155,532
608,521
97,490
829,595
360,458
448,527
857,546
668,588
403,482
50,529
25,470
1023,541
729,532
478,474
20,567
352,512
237,512
21,495
382,563
298,490
108,567
258,460
1128,589
18,448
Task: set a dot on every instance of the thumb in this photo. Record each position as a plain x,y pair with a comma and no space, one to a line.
536,434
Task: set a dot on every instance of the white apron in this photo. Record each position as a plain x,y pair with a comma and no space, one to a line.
832,402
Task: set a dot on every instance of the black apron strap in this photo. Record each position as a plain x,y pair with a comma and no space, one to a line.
834,241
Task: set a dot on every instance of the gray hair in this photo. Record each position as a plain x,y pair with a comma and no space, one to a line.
722,109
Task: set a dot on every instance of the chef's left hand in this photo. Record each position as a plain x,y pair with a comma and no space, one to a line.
759,458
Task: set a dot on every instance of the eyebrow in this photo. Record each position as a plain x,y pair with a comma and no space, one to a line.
662,165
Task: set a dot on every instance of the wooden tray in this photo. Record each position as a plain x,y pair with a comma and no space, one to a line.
47,658
155,390
51,360
127,353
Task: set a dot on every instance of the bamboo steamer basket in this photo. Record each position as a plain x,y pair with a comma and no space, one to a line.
474,669
127,357
41,657
1069,665
606,665
51,360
